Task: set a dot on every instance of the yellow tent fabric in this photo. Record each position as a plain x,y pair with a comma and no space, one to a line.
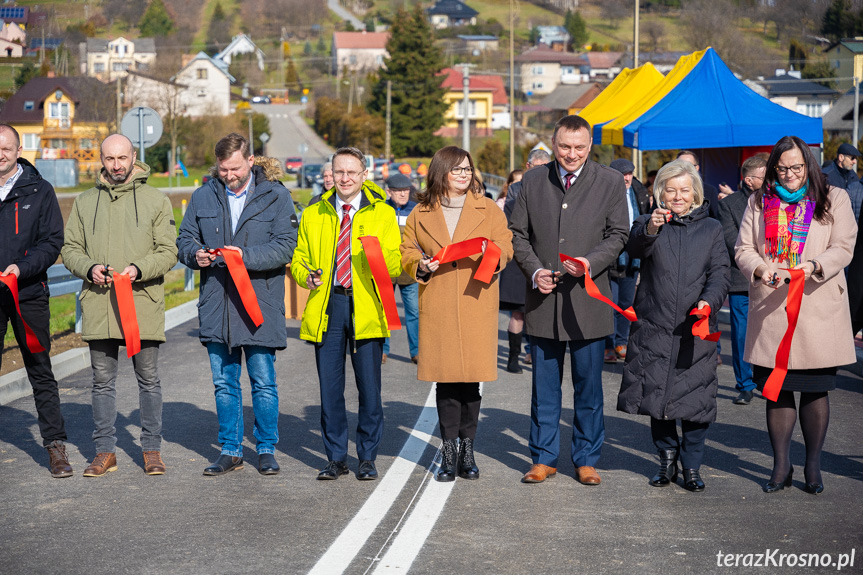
626,89
612,132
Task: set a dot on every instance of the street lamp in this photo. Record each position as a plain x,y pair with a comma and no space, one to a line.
251,136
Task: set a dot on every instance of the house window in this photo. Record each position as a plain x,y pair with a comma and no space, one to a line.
120,66
202,93
30,141
29,105
201,73
88,144
58,110
352,60
537,71
537,86
99,68
471,109
57,143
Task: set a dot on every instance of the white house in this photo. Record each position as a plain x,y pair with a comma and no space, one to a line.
108,60
10,49
12,32
544,69
359,51
241,44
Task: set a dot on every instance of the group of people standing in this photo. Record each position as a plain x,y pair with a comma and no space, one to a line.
580,234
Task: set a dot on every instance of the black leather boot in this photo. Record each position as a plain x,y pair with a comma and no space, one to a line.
692,480
447,461
467,468
514,351
667,468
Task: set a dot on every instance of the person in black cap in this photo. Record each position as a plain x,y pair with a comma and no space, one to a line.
624,272
398,187
842,173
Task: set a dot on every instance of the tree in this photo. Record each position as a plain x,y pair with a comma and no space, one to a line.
614,11
413,67
818,71
321,46
26,73
654,31
493,158
797,55
577,28
839,21
156,21
219,32
126,11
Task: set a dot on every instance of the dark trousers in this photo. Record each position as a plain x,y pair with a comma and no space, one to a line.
458,409
623,294
366,361
664,432
588,427
38,365
738,302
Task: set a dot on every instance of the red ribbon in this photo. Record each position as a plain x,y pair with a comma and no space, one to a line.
593,291
240,275
701,328
33,344
792,311
381,277
467,248
128,317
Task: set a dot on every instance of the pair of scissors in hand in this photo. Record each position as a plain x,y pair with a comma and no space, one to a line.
317,272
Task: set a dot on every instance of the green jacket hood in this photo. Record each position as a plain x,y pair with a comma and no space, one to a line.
139,176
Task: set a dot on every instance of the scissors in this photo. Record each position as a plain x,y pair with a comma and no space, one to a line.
318,271
425,257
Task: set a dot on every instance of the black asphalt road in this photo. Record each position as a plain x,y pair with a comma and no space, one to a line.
244,522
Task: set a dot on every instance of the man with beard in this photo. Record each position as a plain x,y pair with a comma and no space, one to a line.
125,226
241,210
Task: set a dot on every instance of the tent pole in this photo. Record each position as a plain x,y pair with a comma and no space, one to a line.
856,109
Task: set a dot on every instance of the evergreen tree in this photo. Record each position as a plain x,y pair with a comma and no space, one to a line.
307,48
797,55
219,32
839,21
577,28
26,73
321,46
156,21
413,65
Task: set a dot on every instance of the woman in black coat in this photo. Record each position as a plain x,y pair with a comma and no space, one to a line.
670,374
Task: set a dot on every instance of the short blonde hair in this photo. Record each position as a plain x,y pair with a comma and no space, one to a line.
673,170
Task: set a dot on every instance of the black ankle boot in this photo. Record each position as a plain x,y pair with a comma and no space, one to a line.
692,480
447,461
514,351
467,468
667,468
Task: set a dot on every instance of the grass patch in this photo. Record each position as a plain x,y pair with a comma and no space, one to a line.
161,181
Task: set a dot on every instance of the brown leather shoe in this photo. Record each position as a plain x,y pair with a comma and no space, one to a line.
539,473
587,476
153,464
102,464
59,462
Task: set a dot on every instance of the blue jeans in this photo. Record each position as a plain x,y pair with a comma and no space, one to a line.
226,366
588,428
739,304
410,299
366,361
623,294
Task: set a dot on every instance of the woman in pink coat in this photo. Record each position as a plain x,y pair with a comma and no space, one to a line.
796,221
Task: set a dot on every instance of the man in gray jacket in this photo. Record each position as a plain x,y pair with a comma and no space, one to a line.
576,207
243,210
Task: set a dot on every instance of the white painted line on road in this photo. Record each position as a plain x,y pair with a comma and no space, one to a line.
411,538
354,536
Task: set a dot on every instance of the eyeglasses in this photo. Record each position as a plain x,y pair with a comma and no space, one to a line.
797,169
350,175
458,171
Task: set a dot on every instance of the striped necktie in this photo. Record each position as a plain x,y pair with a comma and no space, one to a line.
570,179
343,249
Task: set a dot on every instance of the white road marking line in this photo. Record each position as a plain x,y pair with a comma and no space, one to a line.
354,536
412,536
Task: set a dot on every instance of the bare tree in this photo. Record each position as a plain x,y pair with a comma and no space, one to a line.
654,31
615,10
714,23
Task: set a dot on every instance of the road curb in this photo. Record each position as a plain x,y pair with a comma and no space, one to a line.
16,385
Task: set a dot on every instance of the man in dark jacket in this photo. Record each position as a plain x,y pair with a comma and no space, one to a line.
624,272
842,173
243,211
398,188
31,233
576,207
731,210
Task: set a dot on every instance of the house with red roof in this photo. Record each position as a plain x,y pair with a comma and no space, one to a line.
486,96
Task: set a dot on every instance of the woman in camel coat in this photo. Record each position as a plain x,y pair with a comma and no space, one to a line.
824,232
458,329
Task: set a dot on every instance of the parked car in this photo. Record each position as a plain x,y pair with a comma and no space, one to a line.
293,165
311,174
261,100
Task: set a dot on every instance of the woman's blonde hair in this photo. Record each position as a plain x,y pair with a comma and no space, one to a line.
271,166
673,170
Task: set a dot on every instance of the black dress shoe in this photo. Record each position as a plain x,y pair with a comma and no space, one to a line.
814,488
667,469
367,470
267,464
333,470
224,464
692,480
773,487
744,398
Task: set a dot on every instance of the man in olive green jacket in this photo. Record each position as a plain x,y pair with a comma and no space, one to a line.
125,226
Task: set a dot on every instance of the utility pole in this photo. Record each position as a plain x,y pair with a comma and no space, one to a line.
251,137
119,105
389,119
351,95
511,88
465,122
636,154
856,109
